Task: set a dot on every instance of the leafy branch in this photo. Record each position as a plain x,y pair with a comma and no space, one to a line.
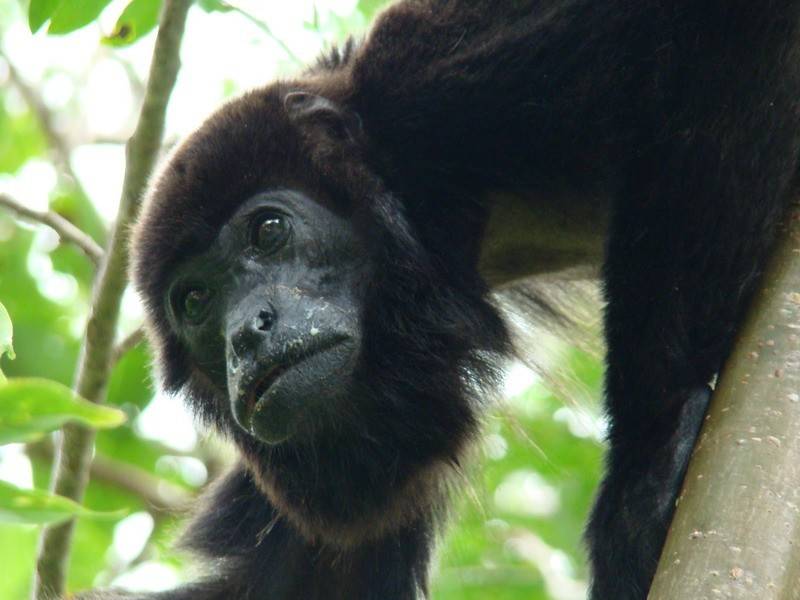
74,452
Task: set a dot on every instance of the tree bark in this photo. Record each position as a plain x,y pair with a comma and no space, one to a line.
735,529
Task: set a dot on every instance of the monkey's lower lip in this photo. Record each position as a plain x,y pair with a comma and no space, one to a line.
258,400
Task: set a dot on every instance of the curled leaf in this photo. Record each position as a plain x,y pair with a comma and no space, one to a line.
31,407
37,507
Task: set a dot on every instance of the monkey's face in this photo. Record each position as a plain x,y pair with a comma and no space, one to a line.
269,312
298,305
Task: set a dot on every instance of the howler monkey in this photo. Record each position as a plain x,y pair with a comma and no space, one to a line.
315,262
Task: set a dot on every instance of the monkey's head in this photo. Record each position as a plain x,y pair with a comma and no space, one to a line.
296,304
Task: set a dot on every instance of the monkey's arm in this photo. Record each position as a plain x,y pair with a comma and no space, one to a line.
251,553
222,532
489,95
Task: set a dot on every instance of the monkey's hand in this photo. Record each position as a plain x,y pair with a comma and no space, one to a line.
637,499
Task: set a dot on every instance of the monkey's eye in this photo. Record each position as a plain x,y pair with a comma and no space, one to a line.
194,302
269,232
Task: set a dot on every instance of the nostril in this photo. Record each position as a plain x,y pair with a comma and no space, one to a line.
265,320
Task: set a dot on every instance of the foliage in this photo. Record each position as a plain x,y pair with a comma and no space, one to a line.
38,507
138,19
31,407
6,337
518,534
515,534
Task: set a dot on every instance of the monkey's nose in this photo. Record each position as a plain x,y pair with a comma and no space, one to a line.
265,320
250,333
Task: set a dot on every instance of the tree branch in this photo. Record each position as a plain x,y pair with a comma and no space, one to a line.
65,230
127,344
734,530
159,494
74,454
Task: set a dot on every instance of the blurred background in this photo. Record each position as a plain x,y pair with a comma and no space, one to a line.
69,100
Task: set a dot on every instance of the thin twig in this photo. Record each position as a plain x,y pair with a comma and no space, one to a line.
65,230
127,344
159,494
55,140
73,458
266,29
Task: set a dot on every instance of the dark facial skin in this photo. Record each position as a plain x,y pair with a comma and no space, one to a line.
269,313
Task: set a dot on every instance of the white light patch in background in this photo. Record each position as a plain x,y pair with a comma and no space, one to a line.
131,312
55,286
340,7
495,446
105,98
31,185
36,55
14,103
192,470
15,467
518,378
244,55
249,60
526,493
166,420
131,535
5,73
57,90
149,576
553,564
101,168
582,423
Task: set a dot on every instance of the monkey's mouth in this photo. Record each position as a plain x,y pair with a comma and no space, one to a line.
263,384
271,411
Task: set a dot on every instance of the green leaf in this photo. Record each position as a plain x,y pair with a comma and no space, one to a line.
138,19
30,407
38,507
39,11
215,6
17,554
74,14
131,381
369,8
20,139
313,24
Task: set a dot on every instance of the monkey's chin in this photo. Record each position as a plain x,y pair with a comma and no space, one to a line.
302,397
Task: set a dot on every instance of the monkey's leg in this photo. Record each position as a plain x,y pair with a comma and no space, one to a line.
688,238
636,502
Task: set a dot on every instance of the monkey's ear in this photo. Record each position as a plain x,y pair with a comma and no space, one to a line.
299,104
305,105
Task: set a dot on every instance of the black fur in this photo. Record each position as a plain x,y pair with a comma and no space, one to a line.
684,112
